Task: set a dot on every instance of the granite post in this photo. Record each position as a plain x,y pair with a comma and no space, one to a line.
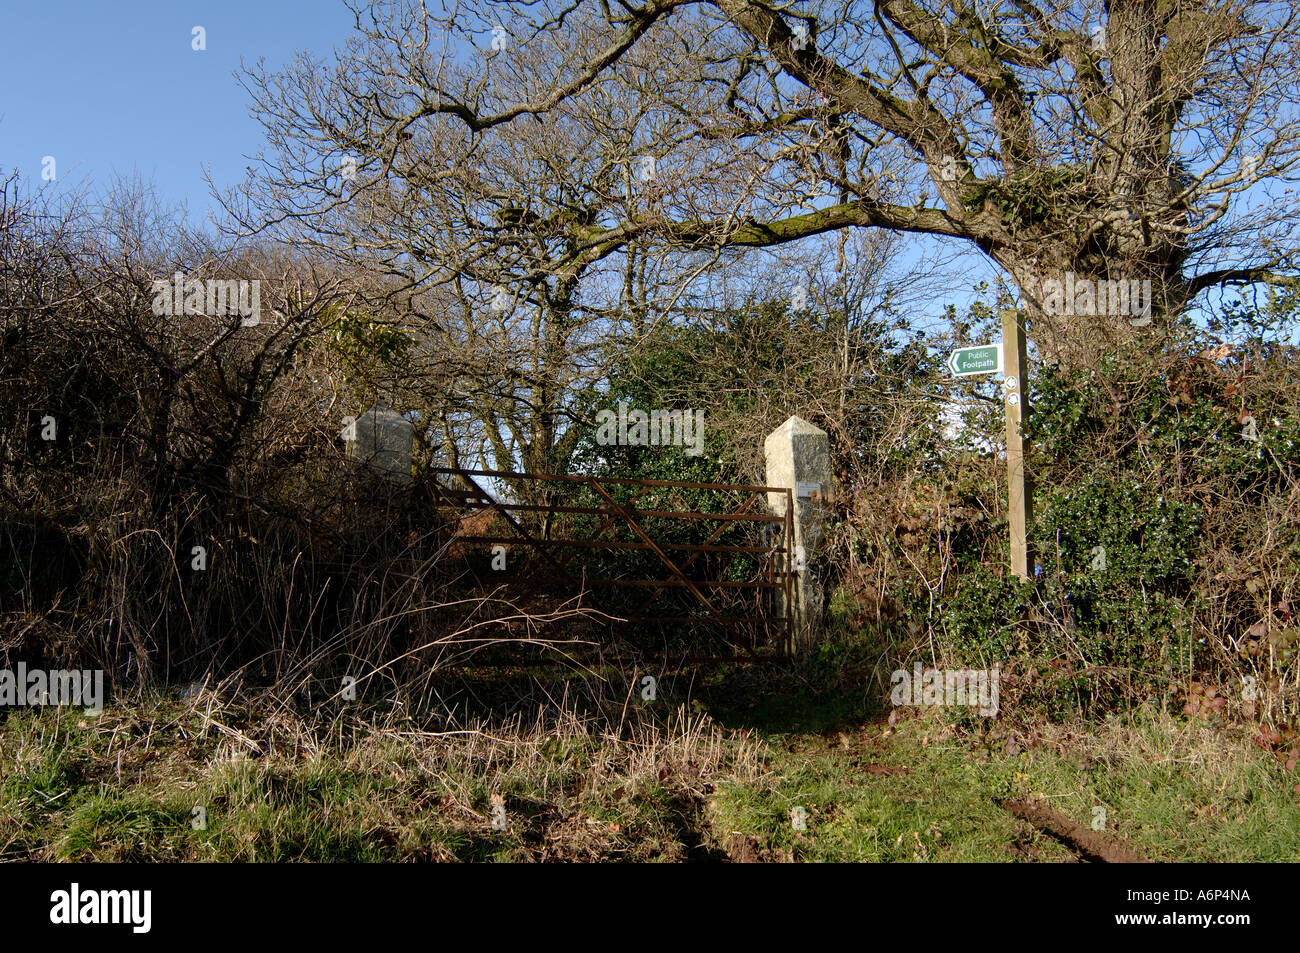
799,457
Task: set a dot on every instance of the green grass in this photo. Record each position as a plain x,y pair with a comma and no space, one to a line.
941,809
705,778
1173,790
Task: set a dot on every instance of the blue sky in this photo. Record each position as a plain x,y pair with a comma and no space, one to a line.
113,87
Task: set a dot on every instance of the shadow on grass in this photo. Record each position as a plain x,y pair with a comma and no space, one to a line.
843,683
840,685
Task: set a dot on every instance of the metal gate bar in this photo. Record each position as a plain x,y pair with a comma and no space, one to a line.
775,573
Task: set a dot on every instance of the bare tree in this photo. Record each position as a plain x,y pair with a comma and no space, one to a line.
479,234
1131,139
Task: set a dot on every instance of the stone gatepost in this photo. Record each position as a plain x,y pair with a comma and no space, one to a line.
382,439
799,457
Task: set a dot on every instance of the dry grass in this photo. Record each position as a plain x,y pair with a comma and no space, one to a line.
354,784
591,777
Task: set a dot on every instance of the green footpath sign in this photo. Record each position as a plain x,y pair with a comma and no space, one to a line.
984,359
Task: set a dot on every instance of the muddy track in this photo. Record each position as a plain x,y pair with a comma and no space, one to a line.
1091,845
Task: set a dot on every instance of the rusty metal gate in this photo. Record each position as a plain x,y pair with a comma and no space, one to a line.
706,580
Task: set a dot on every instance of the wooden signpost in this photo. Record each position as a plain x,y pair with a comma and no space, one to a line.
1009,358
1019,503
